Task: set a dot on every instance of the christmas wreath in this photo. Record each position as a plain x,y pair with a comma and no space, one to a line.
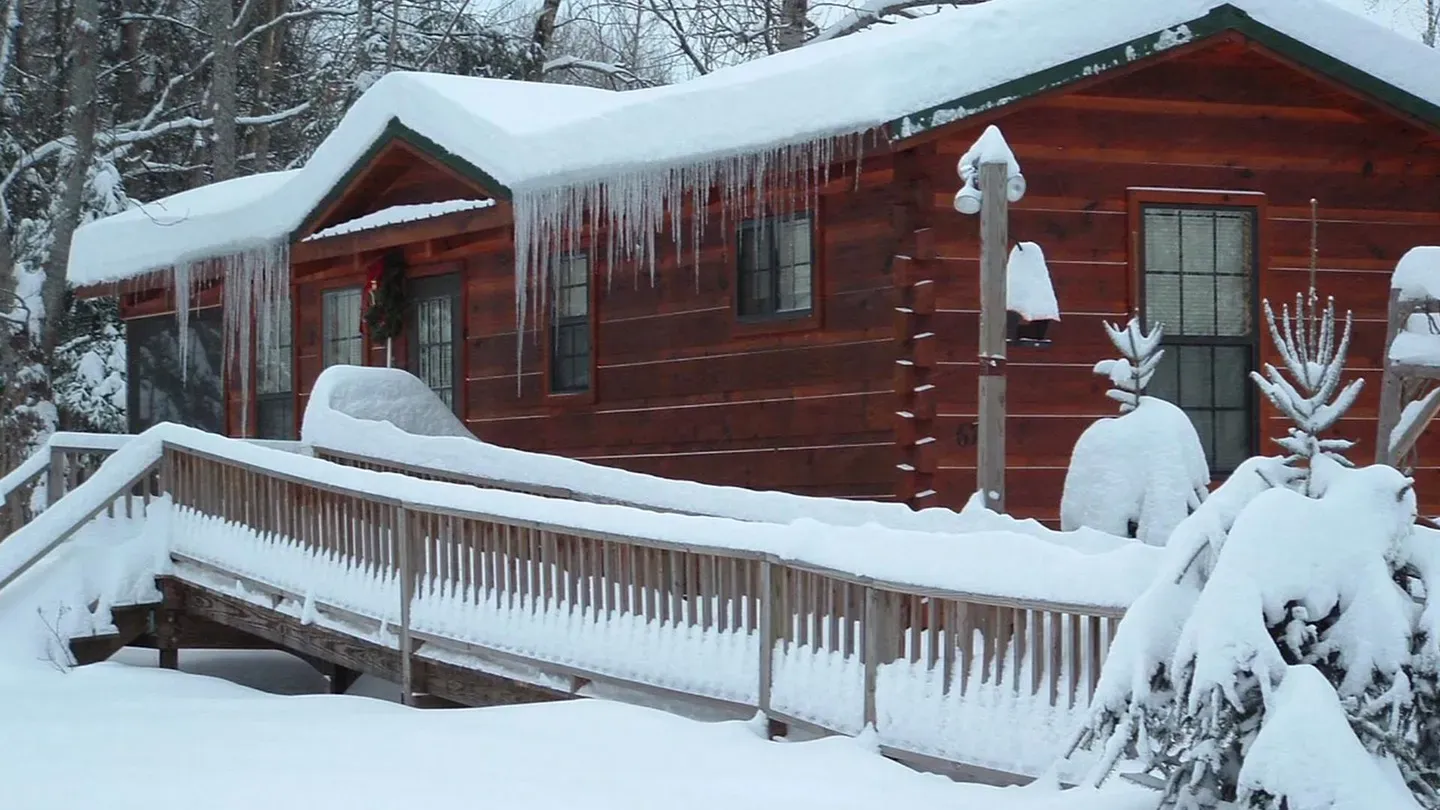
385,315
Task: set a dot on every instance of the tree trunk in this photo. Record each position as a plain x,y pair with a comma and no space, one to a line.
392,45
222,90
265,82
543,37
794,17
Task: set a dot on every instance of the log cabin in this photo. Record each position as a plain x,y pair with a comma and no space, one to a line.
758,277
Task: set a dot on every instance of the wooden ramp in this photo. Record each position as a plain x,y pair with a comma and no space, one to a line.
359,571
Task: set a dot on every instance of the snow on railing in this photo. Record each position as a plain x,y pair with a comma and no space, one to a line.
63,462
915,638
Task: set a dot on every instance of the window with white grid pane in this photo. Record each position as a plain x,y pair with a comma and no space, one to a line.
1199,282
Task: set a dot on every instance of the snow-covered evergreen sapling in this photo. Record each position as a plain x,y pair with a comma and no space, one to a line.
1312,397
1137,475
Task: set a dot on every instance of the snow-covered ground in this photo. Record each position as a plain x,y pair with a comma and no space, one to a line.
114,737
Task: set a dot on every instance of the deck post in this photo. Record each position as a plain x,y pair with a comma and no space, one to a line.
770,631
407,594
874,631
1390,383
994,244
55,477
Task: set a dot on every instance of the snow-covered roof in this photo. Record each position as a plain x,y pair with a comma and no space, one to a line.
397,214
913,75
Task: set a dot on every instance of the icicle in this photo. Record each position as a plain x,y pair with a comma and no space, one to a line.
182,280
635,206
256,281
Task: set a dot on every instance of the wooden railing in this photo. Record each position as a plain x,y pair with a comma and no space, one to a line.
66,461
949,642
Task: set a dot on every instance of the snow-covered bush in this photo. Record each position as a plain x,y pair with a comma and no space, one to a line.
1311,397
1287,660
1139,474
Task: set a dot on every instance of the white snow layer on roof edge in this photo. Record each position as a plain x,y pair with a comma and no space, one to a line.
390,415
398,214
642,145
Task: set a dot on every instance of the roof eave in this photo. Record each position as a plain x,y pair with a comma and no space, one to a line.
1219,20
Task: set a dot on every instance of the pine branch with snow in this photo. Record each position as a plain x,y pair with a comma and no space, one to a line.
1139,356
1312,396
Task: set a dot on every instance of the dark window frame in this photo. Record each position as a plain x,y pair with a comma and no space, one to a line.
560,369
746,267
1143,200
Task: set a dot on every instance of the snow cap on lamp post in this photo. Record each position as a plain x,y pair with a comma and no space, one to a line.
990,147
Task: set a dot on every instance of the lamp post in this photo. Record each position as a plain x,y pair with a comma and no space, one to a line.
991,181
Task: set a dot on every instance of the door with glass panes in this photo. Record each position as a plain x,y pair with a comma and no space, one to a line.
433,335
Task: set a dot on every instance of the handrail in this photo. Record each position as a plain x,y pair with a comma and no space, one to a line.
63,460
88,500
457,578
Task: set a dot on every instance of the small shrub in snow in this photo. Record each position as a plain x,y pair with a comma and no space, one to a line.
1311,396
1138,474
1286,656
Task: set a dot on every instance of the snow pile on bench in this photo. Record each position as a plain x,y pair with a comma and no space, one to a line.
350,406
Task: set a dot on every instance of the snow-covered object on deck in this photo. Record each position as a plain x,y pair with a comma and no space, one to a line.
1307,753
990,147
349,410
373,394
397,214
1417,276
1029,292
1138,474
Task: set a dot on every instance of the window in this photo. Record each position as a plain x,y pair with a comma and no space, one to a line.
1199,276
775,268
434,338
570,325
274,405
343,341
158,391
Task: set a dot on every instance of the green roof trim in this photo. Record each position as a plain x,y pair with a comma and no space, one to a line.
1219,20
397,131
